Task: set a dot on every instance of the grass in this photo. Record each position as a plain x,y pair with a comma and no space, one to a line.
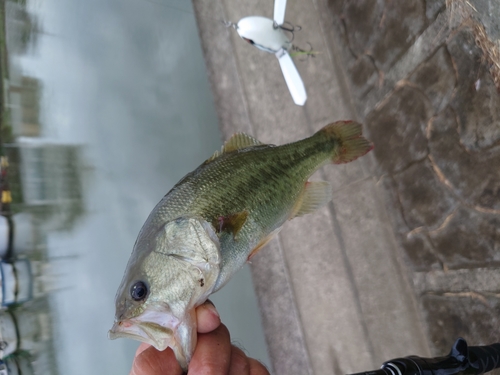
466,12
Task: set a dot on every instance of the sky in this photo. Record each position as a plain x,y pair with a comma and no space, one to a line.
126,80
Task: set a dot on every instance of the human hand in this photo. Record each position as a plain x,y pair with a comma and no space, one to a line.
214,354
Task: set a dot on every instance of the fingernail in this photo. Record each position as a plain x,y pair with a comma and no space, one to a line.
211,307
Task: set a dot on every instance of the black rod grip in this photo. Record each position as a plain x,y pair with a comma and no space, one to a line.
374,372
484,358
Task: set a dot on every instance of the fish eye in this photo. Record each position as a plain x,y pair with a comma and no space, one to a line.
139,291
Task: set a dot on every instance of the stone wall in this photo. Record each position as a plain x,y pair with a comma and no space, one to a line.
423,79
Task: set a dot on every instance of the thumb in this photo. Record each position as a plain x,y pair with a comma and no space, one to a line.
207,317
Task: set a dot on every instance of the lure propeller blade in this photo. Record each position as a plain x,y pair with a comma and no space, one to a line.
292,77
279,11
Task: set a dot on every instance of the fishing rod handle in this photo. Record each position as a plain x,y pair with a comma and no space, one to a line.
462,360
485,358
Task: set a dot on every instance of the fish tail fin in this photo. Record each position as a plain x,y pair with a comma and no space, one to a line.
350,143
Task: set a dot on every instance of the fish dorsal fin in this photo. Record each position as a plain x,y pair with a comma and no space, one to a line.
315,195
240,140
237,141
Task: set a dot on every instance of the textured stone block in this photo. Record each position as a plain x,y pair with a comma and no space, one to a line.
487,13
470,174
473,316
425,45
481,280
364,76
433,7
397,128
376,28
398,33
476,100
425,200
362,20
468,239
420,252
436,78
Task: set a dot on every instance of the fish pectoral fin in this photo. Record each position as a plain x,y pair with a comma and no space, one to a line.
237,141
263,243
231,223
316,194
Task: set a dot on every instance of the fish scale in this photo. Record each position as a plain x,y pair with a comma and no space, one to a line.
254,178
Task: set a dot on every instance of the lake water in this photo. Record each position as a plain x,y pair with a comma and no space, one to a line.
123,82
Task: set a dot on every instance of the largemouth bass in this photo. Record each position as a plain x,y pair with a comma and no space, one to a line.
213,221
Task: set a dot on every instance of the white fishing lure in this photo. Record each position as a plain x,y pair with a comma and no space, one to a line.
268,35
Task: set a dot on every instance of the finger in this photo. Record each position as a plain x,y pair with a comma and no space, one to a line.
141,348
257,368
207,317
213,353
239,362
153,362
242,364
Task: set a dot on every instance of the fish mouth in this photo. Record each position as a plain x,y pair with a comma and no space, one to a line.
161,330
147,333
152,327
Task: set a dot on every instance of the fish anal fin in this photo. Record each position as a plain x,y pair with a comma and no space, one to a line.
316,194
236,142
263,242
231,223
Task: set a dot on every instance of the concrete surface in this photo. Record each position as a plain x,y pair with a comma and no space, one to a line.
405,259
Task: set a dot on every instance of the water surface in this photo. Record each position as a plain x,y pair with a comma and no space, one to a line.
124,82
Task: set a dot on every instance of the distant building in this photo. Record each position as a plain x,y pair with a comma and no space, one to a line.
23,93
22,27
46,181
24,97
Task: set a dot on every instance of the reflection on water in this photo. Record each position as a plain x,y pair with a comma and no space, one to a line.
23,27
45,180
105,105
31,203
49,182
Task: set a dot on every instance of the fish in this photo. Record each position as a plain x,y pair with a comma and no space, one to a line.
213,221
